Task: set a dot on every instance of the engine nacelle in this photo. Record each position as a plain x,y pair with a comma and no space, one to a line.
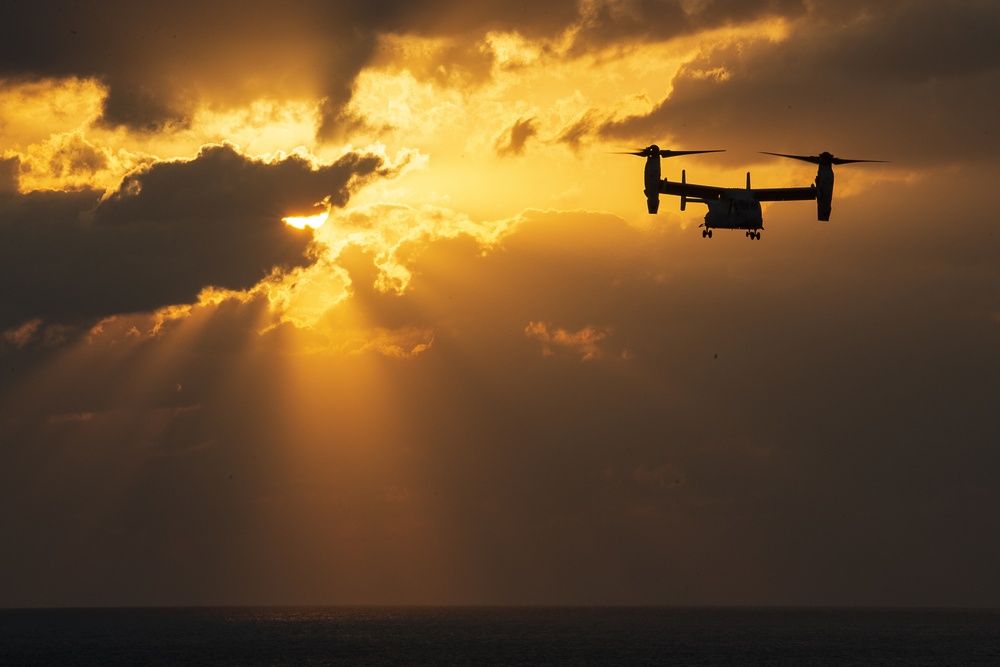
651,179
652,202
824,192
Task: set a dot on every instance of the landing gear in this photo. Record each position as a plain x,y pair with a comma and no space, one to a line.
753,235
706,233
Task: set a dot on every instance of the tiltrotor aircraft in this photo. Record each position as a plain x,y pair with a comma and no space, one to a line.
737,208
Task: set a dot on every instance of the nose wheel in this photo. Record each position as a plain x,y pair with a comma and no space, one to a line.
706,233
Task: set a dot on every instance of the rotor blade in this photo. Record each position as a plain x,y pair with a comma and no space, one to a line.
838,160
669,153
805,158
818,159
652,150
639,153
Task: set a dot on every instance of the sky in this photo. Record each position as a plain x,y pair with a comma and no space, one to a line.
325,302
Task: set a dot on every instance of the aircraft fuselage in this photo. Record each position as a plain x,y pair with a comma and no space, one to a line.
735,209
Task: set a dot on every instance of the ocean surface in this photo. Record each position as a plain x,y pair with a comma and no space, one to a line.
377,636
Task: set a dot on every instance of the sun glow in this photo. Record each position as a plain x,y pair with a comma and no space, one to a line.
478,186
311,221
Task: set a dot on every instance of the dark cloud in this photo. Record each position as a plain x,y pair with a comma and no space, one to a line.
513,139
169,231
615,23
911,81
9,176
582,127
914,41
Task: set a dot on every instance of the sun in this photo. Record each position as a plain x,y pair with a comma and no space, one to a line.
311,221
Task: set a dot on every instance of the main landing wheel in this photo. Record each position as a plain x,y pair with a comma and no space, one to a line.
706,232
753,235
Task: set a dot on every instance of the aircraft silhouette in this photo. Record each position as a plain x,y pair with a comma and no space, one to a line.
737,208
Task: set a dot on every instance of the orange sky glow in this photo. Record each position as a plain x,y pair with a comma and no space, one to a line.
351,307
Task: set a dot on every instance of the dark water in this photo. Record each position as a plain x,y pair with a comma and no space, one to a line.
497,636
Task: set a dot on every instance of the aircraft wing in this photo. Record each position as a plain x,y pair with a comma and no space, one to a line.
784,194
691,190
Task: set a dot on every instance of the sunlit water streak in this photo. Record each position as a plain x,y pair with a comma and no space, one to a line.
497,636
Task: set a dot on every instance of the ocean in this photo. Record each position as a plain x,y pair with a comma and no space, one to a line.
376,636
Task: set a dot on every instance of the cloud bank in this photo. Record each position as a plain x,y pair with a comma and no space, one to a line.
168,232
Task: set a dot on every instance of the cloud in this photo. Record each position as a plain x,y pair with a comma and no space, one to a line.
68,161
846,78
581,128
514,138
169,231
22,335
610,23
9,168
161,64
587,342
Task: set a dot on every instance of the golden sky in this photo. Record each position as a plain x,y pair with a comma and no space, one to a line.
328,303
